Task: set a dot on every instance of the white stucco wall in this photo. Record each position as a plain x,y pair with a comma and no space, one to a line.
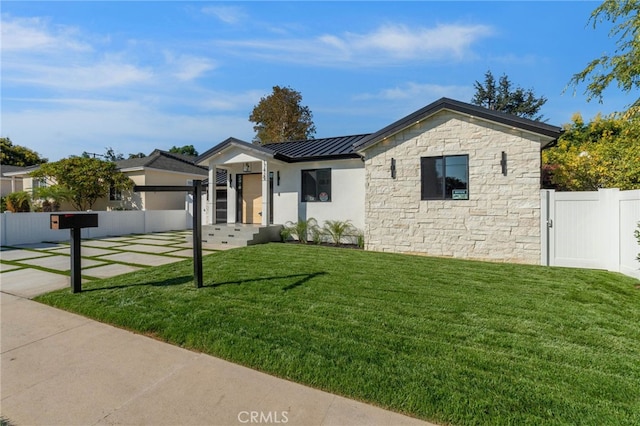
501,219
347,194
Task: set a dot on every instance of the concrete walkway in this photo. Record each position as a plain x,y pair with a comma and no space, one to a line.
59,368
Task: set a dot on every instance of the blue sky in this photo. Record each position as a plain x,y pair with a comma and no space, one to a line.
135,76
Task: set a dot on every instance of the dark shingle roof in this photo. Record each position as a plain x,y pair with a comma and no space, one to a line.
464,108
164,160
11,169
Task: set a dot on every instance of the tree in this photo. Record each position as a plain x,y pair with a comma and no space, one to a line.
138,155
85,179
624,65
184,150
602,154
503,97
110,155
16,155
279,117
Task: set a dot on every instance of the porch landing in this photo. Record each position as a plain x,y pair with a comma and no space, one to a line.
239,235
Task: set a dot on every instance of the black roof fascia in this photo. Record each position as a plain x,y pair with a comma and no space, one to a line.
324,157
464,108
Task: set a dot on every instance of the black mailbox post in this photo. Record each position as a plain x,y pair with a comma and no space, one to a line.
74,222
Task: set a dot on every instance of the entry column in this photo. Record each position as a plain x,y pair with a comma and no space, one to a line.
265,193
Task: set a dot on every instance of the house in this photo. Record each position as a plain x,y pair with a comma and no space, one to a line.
11,179
451,179
158,168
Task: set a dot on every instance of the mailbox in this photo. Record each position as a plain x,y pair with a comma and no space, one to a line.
74,220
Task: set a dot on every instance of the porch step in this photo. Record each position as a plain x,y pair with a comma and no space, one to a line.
239,235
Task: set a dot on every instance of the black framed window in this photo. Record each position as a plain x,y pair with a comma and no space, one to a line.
445,177
114,194
316,185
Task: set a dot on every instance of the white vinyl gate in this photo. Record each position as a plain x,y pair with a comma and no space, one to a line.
591,229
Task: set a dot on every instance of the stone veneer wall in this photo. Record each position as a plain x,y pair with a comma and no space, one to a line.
499,222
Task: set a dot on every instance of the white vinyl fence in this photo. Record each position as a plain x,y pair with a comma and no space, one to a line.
591,230
29,228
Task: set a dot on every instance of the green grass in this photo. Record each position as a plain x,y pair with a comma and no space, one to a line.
445,340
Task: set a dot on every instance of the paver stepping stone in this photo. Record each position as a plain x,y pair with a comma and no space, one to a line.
18,254
85,251
61,263
156,242
32,282
5,267
149,248
40,246
111,270
141,258
120,239
101,243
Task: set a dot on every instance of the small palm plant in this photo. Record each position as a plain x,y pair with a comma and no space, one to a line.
337,230
301,230
18,202
52,196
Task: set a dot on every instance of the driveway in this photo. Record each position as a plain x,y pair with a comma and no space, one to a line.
31,269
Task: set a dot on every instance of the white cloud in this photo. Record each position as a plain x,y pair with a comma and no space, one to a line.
386,45
227,14
413,92
108,73
35,34
188,67
402,42
70,126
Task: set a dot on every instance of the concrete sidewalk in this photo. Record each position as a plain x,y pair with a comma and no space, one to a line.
59,368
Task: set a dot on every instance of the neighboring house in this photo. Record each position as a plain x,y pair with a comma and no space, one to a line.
451,179
11,178
158,168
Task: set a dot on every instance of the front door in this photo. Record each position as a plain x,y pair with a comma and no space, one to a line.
252,198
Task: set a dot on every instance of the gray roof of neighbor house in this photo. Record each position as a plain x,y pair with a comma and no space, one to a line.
164,160
533,126
18,171
11,169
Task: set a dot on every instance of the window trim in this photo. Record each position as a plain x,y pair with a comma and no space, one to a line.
444,173
302,187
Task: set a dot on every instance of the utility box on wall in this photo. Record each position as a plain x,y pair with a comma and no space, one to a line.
74,220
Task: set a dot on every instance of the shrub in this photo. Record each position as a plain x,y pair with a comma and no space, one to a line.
301,230
18,202
336,230
360,238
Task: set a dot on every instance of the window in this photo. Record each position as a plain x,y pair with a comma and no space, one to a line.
39,182
316,185
114,194
445,178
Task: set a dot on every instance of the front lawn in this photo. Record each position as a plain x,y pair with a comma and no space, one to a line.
445,340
